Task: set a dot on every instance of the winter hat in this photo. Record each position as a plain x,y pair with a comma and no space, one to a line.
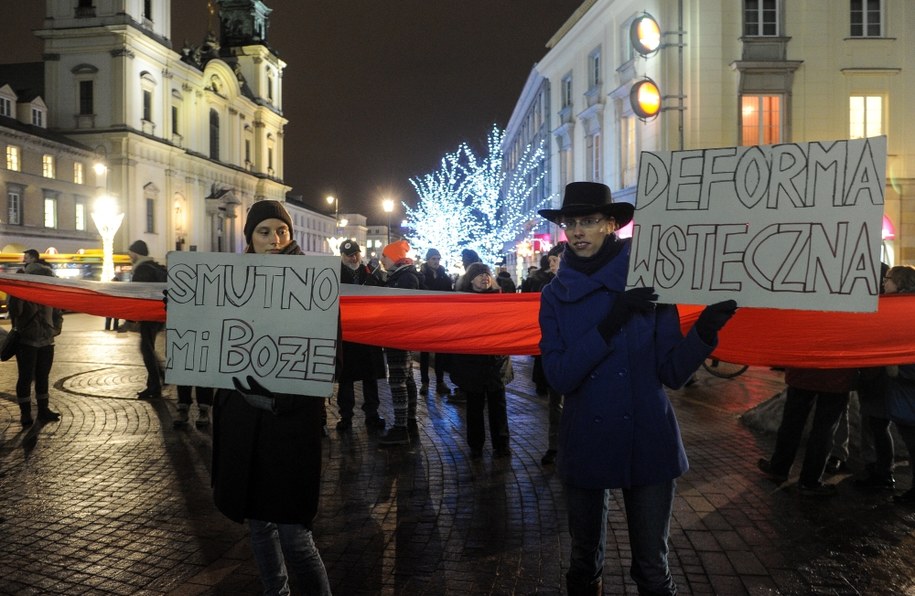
472,271
397,251
469,256
139,247
349,248
266,209
432,253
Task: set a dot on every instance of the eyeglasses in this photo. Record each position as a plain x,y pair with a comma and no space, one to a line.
588,223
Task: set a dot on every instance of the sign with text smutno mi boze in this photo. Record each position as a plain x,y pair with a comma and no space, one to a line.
783,226
273,317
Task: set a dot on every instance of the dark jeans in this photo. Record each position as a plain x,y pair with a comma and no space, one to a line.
346,398
498,419
148,332
555,416
34,365
884,450
204,395
829,408
648,511
424,368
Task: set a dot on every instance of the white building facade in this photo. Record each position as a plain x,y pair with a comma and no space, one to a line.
734,73
189,139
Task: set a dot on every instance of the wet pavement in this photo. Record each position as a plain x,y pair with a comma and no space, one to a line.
113,500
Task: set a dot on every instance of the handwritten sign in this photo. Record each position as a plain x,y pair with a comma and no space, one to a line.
783,226
273,317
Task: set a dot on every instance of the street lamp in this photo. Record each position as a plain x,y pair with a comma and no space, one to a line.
336,203
388,206
107,220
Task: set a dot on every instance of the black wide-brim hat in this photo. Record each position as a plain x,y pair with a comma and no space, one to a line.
583,198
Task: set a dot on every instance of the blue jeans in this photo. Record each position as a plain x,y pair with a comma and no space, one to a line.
648,511
276,544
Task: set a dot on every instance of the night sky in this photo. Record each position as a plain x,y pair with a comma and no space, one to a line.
375,92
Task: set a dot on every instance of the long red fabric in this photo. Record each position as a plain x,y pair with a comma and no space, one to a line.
507,323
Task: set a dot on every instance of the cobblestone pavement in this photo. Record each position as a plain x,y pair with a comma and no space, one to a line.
112,500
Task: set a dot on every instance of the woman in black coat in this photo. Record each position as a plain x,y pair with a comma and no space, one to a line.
483,378
267,451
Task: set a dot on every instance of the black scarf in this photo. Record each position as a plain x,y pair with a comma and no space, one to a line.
589,265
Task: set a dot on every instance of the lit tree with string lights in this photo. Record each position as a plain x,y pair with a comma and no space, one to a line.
472,203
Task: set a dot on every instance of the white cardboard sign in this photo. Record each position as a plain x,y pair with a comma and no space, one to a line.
273,317
783,226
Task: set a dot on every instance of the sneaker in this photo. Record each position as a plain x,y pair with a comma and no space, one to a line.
203,418
817,489
442,389
549,457
766,467
344,424
424,388
182,419
876,481
396,435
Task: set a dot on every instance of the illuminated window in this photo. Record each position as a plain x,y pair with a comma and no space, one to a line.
50,212
760,18
14,202
13,161
47,166
761,120
80,214
78,173
865,116
867,18
629,167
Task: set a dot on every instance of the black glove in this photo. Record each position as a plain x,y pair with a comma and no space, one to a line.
712,319
256,394
627,304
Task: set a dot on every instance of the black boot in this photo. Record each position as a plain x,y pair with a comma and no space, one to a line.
577,588
45,414
26,414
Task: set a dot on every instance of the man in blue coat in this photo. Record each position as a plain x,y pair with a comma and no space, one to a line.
609,351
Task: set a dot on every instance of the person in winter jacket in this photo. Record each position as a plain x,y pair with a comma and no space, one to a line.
608,351
267,450
38,325
147,270
483,378
401,274
436,278
358,362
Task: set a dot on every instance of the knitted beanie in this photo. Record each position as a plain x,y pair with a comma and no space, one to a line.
397,251
266,209
139,247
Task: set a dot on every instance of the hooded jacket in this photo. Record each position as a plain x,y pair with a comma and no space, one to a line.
618,426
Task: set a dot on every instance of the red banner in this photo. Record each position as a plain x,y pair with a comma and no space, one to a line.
507,323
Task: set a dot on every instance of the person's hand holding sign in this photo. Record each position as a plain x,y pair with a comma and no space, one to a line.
256,394
713,318
636,300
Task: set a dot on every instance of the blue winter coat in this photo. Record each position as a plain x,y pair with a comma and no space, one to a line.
618,426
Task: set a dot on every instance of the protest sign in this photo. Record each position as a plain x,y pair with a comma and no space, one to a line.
273,317
783,226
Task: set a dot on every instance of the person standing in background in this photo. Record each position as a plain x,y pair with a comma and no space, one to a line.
147,270
434,278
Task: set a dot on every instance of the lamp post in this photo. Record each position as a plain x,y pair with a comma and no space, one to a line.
336,203
107,220
388,206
